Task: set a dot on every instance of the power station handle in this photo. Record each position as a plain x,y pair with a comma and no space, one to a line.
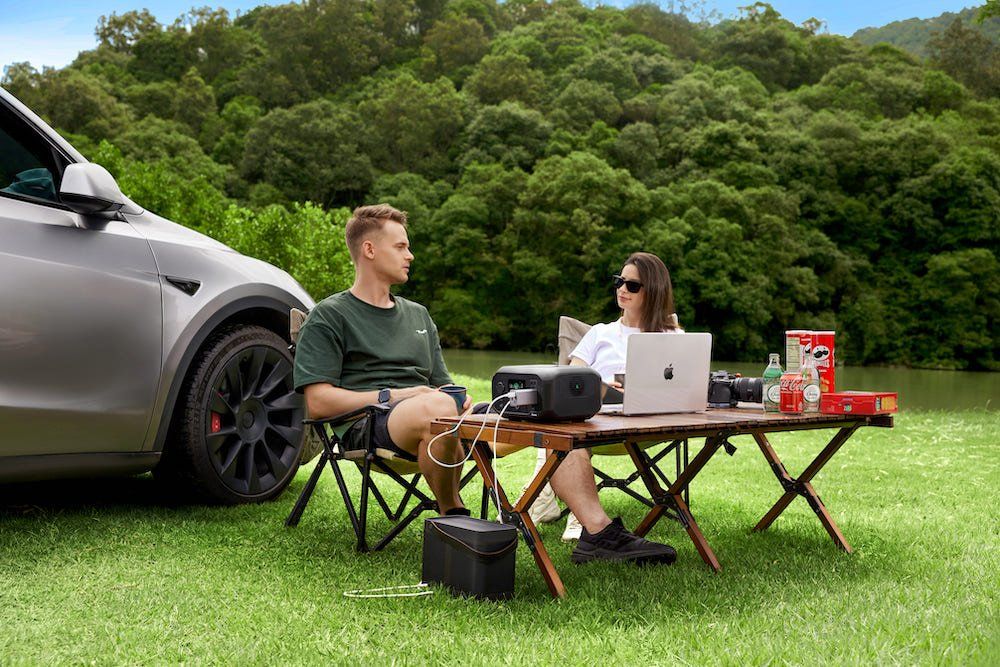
454,541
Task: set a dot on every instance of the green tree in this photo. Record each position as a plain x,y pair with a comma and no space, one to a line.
195,101
81,103
583,102
557,241
310,152
413,125
120,32
508,133
968,56
506,77
957,302
456,44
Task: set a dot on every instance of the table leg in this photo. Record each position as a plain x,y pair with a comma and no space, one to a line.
673,497
802,485
483,455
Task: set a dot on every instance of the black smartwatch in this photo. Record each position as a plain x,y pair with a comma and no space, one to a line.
383,395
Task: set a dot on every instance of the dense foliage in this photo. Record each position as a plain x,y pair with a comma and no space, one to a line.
914,34
788,178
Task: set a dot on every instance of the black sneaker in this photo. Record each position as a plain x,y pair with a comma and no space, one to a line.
614,543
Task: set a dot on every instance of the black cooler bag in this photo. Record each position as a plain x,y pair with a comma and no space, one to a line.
470,556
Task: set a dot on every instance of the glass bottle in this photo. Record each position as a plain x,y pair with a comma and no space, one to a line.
772,383
810,385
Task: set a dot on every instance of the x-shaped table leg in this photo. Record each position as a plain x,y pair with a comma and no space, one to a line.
802,486
673,497
483,455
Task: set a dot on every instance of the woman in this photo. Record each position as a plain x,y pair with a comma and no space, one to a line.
645,296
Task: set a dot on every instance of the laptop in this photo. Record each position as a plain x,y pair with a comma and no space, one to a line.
665,373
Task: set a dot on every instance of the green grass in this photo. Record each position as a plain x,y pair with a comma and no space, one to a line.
110,572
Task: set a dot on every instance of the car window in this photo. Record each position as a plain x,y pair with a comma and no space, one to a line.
28,168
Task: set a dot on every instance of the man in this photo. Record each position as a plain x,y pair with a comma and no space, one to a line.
366,346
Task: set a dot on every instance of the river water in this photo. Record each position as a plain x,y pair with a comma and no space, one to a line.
921,389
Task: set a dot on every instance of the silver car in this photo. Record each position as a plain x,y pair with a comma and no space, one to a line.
129,343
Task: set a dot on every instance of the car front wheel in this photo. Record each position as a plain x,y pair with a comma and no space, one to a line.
237,431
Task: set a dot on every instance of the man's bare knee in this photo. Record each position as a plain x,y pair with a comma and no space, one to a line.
440,404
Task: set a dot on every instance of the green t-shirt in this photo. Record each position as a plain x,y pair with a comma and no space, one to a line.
357,346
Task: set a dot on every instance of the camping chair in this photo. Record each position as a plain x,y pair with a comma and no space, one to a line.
368,459
570,333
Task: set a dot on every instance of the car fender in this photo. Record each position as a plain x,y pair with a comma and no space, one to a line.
250,303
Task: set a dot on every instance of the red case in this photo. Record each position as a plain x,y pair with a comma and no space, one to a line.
859,403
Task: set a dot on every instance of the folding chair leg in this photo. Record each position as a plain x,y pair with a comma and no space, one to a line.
307,491
346,496
420,508
366,471
394,516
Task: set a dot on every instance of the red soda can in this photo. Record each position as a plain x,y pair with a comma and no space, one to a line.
822,351
791,392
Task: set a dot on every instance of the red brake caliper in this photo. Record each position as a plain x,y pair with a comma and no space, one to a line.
216,422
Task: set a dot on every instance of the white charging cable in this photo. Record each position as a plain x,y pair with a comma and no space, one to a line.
512,396
493,467
454,429
422,589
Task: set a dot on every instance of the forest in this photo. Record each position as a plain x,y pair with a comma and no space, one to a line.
788,177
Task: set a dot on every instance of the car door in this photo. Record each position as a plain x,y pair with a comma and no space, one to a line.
80,315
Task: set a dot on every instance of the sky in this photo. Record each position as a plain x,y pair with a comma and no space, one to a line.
51,32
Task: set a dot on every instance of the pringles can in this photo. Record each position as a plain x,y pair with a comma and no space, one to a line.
790,400
822,351
797,341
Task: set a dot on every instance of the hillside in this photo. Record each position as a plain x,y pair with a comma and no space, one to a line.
788,178
912,35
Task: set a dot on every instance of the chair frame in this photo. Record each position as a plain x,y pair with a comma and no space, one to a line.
367,460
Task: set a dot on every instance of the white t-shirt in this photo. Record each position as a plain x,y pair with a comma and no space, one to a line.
603,348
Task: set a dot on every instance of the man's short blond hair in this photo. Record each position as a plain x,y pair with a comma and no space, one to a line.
365,221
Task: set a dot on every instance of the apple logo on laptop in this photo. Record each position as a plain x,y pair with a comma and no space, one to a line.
668,373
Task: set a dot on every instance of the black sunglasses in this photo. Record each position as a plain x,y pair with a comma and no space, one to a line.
632,286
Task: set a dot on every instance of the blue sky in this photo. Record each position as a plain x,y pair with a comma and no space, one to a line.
52,32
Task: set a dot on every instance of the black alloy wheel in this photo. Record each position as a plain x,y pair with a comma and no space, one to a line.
239,435
253,429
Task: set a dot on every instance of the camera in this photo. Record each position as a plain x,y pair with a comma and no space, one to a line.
726,389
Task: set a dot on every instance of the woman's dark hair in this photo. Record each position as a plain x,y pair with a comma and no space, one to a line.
658,300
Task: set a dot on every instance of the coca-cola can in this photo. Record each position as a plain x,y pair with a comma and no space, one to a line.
795,342
791,392
822,350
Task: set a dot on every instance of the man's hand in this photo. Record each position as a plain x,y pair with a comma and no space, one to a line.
468,399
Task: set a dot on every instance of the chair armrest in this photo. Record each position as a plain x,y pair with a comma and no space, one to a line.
342,418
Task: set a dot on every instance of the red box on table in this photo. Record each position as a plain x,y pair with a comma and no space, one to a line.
859,403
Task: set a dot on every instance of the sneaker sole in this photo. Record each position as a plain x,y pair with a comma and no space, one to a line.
658,558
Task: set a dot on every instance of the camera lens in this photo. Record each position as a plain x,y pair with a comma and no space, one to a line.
749,390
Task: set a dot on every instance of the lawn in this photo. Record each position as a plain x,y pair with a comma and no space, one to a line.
112,572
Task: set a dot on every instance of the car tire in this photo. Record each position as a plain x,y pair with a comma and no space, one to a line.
236,434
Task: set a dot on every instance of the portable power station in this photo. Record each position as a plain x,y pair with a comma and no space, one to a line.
564,393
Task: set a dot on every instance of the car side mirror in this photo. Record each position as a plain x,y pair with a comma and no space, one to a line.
88,188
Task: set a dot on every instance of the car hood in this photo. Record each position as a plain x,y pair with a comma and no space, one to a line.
159,229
